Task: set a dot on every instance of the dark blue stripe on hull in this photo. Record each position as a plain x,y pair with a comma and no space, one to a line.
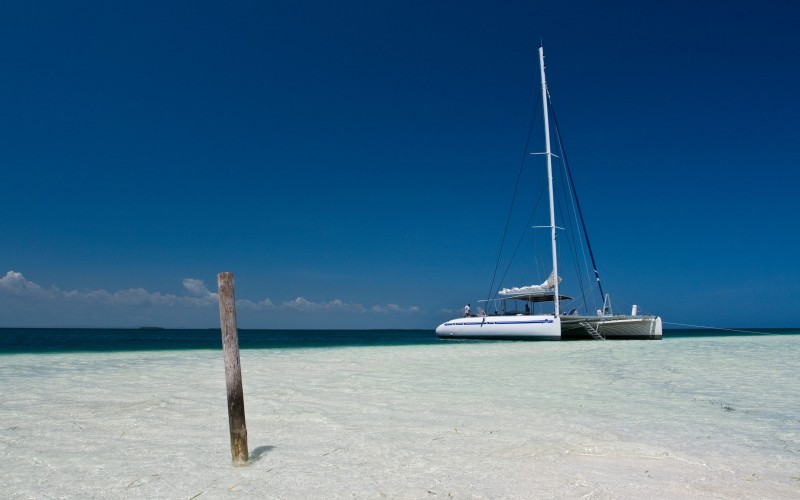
496,337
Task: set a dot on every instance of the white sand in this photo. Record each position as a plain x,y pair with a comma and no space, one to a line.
715,418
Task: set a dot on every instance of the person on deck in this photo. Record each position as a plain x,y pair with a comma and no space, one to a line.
467,311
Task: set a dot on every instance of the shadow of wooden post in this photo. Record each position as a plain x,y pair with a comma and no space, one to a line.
233,369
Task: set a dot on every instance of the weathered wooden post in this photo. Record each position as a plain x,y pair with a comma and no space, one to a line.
233,369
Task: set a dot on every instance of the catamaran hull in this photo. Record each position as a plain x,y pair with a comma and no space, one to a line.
548,327
522,327
611,327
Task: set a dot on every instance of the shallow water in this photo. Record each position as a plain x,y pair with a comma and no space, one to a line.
684,417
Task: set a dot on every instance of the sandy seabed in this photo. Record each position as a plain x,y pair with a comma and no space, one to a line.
680,418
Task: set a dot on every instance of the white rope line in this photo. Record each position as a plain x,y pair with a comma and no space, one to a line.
715,328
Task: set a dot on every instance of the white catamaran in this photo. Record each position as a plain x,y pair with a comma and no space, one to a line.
504,325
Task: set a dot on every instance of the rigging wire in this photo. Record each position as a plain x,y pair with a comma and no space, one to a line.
568,189
575,236
513,200
565,204
577,202
569,233
522,236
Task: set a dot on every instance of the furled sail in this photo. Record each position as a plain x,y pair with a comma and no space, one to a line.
546,287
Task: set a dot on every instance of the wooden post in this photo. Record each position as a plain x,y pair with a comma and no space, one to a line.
233,369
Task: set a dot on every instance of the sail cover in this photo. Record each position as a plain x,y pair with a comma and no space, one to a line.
535,293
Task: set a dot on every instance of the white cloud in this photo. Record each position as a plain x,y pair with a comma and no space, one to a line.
14,284
394,308
262,305
301,304
196,288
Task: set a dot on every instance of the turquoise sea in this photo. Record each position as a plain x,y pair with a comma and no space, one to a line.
58,340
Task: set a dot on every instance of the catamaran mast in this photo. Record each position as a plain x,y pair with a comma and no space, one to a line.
550,182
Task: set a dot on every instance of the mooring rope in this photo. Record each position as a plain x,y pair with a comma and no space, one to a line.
715,328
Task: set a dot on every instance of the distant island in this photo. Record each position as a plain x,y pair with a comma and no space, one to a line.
151,328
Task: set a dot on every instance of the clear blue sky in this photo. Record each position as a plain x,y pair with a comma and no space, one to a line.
352,162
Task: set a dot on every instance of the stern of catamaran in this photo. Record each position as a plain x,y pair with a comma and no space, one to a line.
658,330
